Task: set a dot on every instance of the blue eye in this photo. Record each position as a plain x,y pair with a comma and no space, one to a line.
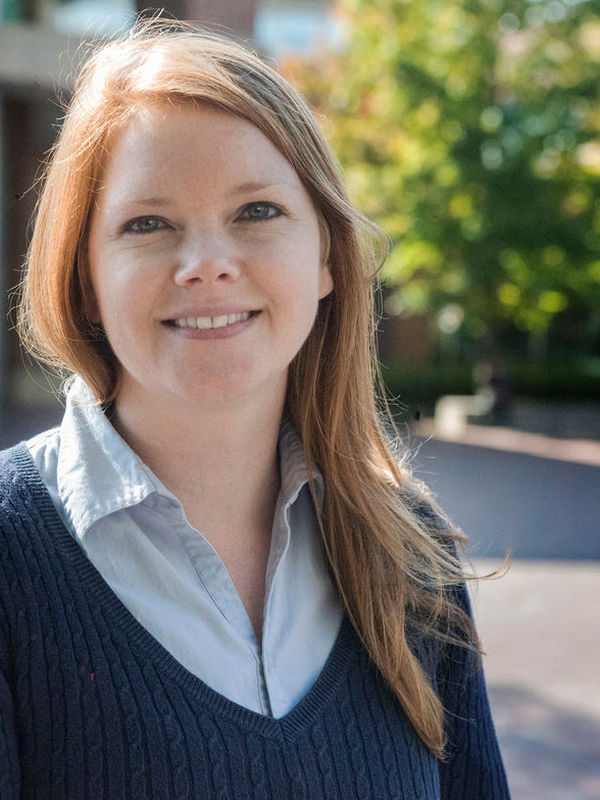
260,211
144,225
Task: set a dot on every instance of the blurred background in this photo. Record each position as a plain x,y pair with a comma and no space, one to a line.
470,131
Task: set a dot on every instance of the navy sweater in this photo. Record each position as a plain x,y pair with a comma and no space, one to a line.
92,706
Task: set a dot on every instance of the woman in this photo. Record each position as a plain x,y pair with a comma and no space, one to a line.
216,579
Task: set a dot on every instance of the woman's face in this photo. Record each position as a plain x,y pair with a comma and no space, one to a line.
205,258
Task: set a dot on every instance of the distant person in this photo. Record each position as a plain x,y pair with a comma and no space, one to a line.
491,377
216,580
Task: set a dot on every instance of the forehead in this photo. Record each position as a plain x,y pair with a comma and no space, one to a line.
188,144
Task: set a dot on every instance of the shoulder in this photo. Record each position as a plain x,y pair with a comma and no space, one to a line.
18,515
419,501
30,459
25,514
14,462
21,489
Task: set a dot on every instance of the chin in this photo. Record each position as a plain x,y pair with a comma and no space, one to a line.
217,392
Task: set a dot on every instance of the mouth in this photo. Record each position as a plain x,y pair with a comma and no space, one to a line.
209,323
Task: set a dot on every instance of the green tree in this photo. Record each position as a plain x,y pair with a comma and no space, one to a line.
470,130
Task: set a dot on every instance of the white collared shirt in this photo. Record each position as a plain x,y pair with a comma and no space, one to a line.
134,531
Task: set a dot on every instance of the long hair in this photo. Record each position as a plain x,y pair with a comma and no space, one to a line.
392,564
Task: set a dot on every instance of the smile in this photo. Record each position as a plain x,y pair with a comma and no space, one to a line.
208,323
223,326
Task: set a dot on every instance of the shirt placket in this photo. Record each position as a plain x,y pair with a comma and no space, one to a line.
217,583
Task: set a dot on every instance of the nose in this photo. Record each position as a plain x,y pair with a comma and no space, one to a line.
206,260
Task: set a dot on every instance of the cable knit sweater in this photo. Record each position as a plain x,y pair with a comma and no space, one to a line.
92,706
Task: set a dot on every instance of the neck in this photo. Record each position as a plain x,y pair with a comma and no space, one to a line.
221,462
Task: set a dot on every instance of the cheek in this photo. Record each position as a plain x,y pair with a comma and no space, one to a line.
297,292
294,271
119,284
123,308
121,278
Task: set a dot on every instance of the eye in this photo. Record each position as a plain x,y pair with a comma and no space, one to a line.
144,225
260,211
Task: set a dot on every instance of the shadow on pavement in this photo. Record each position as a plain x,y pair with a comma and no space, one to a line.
550,753
540,507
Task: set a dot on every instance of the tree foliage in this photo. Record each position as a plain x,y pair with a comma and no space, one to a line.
470,130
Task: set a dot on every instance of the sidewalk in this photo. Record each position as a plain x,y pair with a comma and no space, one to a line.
540,627
579,450
540,624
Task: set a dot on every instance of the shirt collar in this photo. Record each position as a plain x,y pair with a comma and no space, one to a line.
294,473
99,474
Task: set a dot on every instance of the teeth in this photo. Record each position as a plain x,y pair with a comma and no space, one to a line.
203,323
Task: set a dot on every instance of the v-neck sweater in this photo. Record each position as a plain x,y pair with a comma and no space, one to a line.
171,578
92,706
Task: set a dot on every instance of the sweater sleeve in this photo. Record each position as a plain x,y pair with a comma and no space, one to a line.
472,768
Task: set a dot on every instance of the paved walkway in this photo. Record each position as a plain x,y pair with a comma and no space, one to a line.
539,507
540,626
581,451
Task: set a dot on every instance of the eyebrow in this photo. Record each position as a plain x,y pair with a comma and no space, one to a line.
243,188
255,186
151,201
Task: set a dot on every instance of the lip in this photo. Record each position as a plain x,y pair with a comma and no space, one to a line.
225,332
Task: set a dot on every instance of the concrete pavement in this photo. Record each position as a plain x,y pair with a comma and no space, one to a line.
540,507
540,626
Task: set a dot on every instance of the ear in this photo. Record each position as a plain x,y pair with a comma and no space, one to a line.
325,276
325,281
